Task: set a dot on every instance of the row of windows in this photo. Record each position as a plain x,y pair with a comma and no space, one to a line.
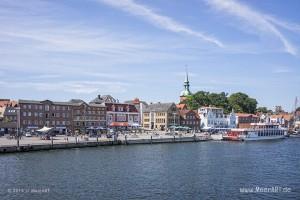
190,122
89,124
123,118
248,120
36,114
89,112
160,114
191,117
11,118
89,118
120,108
271,133
213,122
160,120
41,122
57,107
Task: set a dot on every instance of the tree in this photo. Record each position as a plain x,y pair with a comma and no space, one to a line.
220,100
241,102
298,109
262,110
197,100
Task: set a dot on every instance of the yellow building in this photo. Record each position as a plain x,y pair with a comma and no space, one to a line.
160,116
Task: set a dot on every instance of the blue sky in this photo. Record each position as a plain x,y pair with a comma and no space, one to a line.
63,49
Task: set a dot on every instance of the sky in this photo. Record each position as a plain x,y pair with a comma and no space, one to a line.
64,49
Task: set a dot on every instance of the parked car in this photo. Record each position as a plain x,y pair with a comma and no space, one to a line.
28,134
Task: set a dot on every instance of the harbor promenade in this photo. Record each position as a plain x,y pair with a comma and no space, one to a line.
62,142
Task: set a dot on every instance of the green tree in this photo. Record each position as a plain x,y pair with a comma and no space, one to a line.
219,100
262,110
298,109
241,102
197,100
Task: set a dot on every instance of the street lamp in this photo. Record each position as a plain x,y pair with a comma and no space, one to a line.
18,126
174,114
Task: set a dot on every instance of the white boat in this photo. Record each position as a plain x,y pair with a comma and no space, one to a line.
216,136
262,131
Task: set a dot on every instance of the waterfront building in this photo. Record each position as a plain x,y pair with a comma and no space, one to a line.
160,116
8,115
214,118
190,118
284,119
244,120
74,115
119,115
91,117
140,106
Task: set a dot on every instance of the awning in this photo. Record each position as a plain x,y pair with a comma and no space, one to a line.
119,124
44,129
96,128
32,127
135,125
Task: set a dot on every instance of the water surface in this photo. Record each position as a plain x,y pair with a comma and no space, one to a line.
205,170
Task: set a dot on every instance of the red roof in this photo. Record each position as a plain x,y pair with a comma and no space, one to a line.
246,115
287,117
181,106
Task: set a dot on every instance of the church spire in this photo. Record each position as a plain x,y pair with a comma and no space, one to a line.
186,92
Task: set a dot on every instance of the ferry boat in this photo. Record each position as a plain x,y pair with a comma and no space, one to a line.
261,131
233,134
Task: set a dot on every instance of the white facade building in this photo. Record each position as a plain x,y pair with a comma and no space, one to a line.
214,118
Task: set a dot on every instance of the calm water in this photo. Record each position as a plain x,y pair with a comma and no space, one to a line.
207,170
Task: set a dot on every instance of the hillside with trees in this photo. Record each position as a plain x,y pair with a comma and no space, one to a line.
239,101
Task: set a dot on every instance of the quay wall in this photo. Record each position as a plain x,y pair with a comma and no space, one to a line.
40,147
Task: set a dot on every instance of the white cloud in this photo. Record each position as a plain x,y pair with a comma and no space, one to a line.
158,20
281,70
76,87
257,20
284,24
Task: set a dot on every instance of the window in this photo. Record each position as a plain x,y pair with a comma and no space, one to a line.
41,107
24,122
24,114
40,114
46,107
36,114
29,106
29,114
24,106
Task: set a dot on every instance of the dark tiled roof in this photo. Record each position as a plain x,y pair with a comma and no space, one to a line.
159,107
104,99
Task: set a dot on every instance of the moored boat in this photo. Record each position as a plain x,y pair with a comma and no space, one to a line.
216,136
263,131
233,134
